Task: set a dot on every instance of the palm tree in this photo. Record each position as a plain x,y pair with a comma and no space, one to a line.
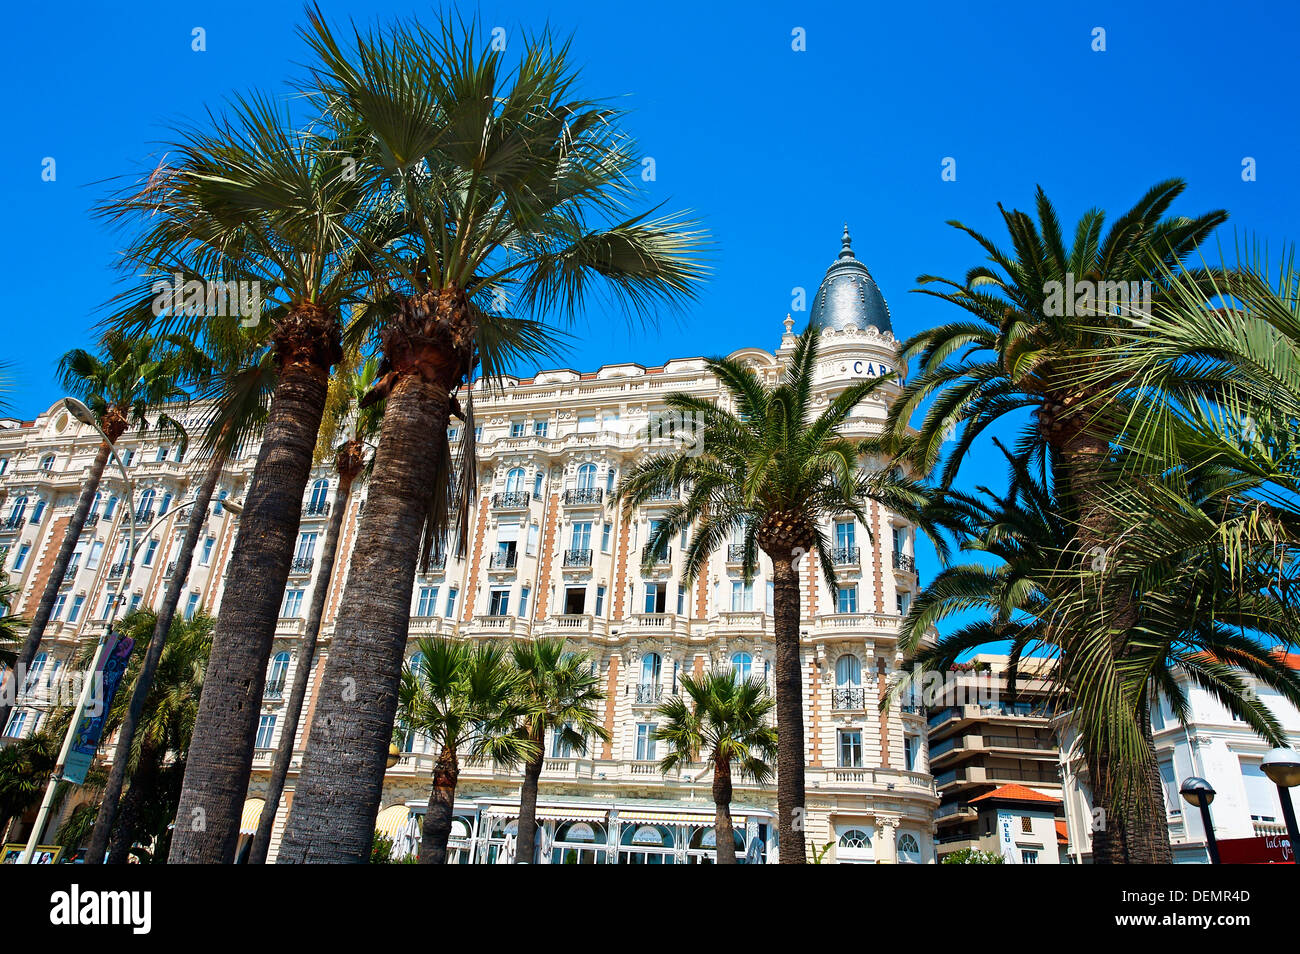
129,380
513,193
557,692
1035,597
254,200
772,471
237,388
462,698
25,767
726,721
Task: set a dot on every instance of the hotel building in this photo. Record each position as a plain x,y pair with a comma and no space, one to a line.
551,554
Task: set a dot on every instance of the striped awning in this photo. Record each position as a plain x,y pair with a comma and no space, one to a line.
392,820
252,814
668,818
551,814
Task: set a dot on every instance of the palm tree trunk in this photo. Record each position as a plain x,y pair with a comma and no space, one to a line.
302,674
429,344
442,803
527,826
724,836
789,713
341,782
144,782
32,641
221,751
144,681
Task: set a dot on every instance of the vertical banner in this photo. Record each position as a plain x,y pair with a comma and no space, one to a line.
109,677
1006,841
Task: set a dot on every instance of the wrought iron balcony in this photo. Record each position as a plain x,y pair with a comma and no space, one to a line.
70,572
144,515
274,690
512,500
116,570
504,559
91,520
438,561
647,695
904,562
661,556
577,558
321,509
735,553
14,522
171,568
846,556
663,493
584,495
849,698
302,564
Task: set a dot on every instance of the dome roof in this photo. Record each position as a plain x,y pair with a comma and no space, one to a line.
848,296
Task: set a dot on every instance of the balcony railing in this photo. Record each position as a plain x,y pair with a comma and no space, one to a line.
70,572
658,557
275,690
171,568
116,570
321,509
904,562
662,494
846,556
503,559
144,515
584,495
850,698
512,500
438,561
577,558
14,522
647,695
302,564
91,520
735,553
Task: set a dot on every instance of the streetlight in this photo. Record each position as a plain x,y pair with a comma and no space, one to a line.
1197,791
83,414
1282,766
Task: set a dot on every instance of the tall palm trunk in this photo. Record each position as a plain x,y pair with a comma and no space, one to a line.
348,466
442,803
724,836
144,682
339,788
221,751
114,424
144,782
527,825
789,712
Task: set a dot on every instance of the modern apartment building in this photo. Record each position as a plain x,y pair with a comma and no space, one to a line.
550,554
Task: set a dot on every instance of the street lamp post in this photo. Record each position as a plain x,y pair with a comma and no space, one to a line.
1282,766
83,414
1197,791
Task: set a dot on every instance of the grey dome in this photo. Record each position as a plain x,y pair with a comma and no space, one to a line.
848,296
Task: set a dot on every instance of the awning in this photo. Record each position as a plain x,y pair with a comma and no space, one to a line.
252,814
391,821
669,818
551,814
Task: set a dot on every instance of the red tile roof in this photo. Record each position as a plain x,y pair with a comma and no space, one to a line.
1062,834
1015,793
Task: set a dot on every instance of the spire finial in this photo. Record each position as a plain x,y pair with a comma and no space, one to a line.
846,244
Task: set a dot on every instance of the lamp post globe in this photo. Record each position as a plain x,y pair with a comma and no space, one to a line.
1282,766
1197,791
79,410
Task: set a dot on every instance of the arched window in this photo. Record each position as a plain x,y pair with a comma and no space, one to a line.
320,492
38,510
146,502
537,485
94,504
218,509
111,508
848,672
515,480
279,669
855,838
47,462
165,505
651,665
741,665
909,850
587,477
19,510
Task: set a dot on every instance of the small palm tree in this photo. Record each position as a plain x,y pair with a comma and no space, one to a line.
357,425
557,692
463,698
130,379
725,722
774,471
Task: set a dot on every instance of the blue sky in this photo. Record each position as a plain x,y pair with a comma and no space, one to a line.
772,148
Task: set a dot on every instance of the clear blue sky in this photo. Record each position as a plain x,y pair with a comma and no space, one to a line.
773,148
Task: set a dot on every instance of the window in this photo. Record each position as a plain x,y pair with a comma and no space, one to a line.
844,534
162,455
681,601
1028,857
742,596
537,485
47,462
306,545
655,597
17,512
191,606
533,534
128,458
606,532
150,549
587,476
275,678
911,747
146,504
427,605
95,555
600,600
586,423
904,602
575,601
581,538
609,477
135,601
265,731
57,612
4,465
846,600
453,433
205,557
515,479
478,434
166,503
292,607
645,742
848,672
1026,824
900,538
855,838
850,746
111,508
741,666
218,510
499,603
909,850
16,723
539,428
517,428
561,747
21,558
524,593
35,670
106,607
451,601
39,510
651,665
320,492
77,603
